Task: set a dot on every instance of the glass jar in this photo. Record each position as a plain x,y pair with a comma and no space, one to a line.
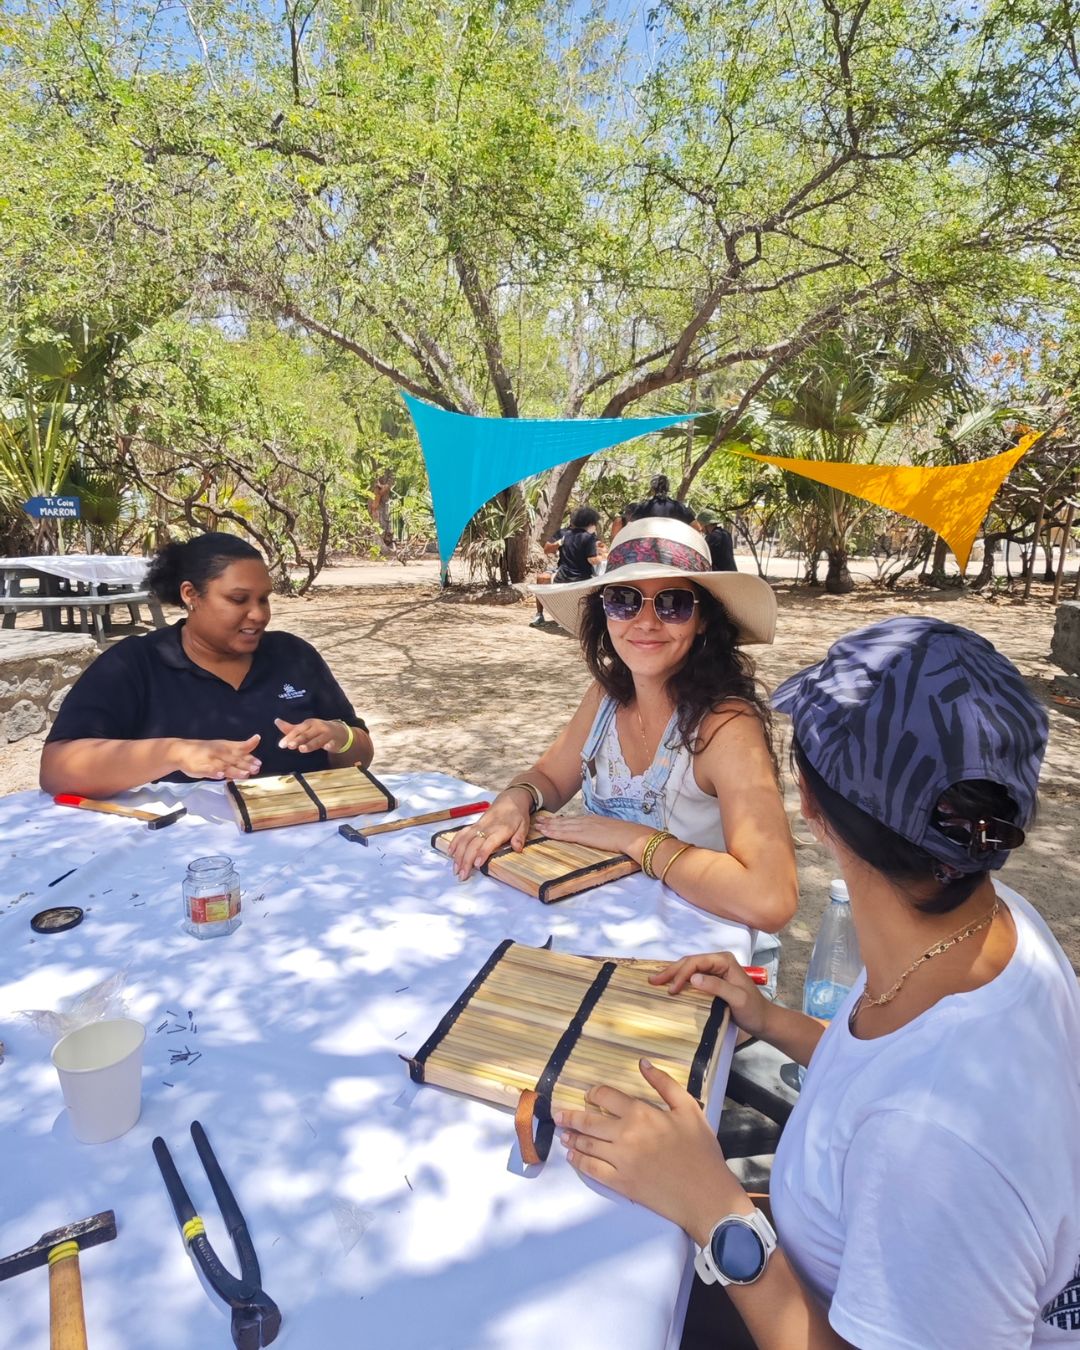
211,897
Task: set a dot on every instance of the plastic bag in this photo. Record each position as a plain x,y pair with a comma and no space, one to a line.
102,1000
352,1223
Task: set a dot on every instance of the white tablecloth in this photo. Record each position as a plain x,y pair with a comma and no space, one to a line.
90,568
385,1215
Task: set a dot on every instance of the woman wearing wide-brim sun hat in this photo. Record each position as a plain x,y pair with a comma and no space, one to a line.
671,745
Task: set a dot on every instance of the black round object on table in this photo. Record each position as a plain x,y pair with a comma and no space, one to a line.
56,920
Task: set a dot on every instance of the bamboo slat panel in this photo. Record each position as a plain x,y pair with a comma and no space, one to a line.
300,798
549,869
544,1022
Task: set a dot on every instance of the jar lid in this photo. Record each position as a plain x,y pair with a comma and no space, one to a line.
56,920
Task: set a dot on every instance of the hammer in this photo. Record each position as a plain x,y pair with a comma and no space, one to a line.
60,1251
356,836
154,819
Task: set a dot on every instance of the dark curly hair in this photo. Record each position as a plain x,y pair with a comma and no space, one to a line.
715,671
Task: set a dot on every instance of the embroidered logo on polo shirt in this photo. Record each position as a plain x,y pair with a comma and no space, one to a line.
288,691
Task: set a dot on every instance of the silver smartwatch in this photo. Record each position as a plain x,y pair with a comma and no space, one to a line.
737,1251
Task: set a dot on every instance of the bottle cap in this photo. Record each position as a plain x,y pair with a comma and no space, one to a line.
838,891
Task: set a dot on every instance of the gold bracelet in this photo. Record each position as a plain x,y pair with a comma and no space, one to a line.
349,741
673,859
651,845
533,791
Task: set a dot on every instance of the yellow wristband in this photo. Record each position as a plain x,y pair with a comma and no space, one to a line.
673,859
350,739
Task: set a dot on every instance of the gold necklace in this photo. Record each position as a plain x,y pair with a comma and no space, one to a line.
961,934
641,728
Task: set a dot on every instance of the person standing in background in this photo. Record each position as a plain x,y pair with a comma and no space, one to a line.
719,540
661,504
579,551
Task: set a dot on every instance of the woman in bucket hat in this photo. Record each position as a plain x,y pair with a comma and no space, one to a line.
926,1190
670,745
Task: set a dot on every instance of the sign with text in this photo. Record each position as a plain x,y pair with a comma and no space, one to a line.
53,508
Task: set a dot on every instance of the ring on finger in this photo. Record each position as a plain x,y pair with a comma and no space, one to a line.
480,834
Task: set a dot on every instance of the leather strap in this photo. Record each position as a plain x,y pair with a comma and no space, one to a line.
530,1144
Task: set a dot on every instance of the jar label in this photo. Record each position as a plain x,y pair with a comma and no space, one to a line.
215,908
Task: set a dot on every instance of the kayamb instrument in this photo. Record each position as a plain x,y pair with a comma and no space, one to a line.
535,1029
302,798
59,1250
256,1319
155,820
550,869
356,836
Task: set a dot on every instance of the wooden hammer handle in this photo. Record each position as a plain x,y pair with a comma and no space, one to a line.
428,818
67,1325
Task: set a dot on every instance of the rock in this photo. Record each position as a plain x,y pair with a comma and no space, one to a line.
58,698
23,719
36,671
1065,645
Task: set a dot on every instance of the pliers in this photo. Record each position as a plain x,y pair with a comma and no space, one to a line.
256,1319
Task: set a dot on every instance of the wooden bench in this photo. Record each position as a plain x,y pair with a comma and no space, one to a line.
93,610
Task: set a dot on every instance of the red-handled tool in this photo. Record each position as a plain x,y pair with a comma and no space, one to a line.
758,974
155,820
361,836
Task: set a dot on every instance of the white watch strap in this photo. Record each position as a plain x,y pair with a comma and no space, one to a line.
703,1260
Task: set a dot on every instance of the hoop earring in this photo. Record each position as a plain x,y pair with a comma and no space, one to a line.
603,646
704,641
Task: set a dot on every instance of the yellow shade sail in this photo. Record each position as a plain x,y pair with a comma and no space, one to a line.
951,499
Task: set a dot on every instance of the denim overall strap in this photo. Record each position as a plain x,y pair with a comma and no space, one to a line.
649,807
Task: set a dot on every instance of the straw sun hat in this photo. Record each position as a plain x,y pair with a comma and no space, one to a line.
660,547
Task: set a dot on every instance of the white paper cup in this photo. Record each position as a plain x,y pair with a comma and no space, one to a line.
100,1068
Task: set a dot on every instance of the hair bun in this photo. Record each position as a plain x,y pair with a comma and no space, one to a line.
164,574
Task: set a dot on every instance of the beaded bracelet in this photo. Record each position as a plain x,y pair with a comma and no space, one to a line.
673,859
651,845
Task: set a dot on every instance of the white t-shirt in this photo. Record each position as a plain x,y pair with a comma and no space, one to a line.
927,1185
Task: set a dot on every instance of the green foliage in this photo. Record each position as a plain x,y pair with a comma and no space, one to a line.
246,227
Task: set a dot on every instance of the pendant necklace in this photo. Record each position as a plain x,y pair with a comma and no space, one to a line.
954,939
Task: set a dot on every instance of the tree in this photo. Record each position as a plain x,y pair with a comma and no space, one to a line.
494,205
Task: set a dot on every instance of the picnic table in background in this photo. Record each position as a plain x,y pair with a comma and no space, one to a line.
89,585
384,1214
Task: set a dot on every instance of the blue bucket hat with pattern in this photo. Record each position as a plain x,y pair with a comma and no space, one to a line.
902,710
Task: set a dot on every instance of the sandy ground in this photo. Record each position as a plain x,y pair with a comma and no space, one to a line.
469,689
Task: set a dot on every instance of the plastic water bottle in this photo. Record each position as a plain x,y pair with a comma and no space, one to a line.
835,961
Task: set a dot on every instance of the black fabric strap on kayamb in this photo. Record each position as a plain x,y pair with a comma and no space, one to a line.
417,1062
706,1046
238,798
509,848
545,1125
312,794
546,887
391,800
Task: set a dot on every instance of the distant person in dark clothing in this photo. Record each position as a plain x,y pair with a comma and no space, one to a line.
721,545
661,504
578,549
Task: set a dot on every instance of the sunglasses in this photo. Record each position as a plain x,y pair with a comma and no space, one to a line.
626,602
980,837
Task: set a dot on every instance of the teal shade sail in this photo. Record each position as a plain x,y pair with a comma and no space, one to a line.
471,459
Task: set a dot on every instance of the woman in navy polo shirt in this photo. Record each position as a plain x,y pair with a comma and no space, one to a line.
213,696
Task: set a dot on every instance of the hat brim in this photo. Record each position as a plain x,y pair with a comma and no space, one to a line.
749,601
